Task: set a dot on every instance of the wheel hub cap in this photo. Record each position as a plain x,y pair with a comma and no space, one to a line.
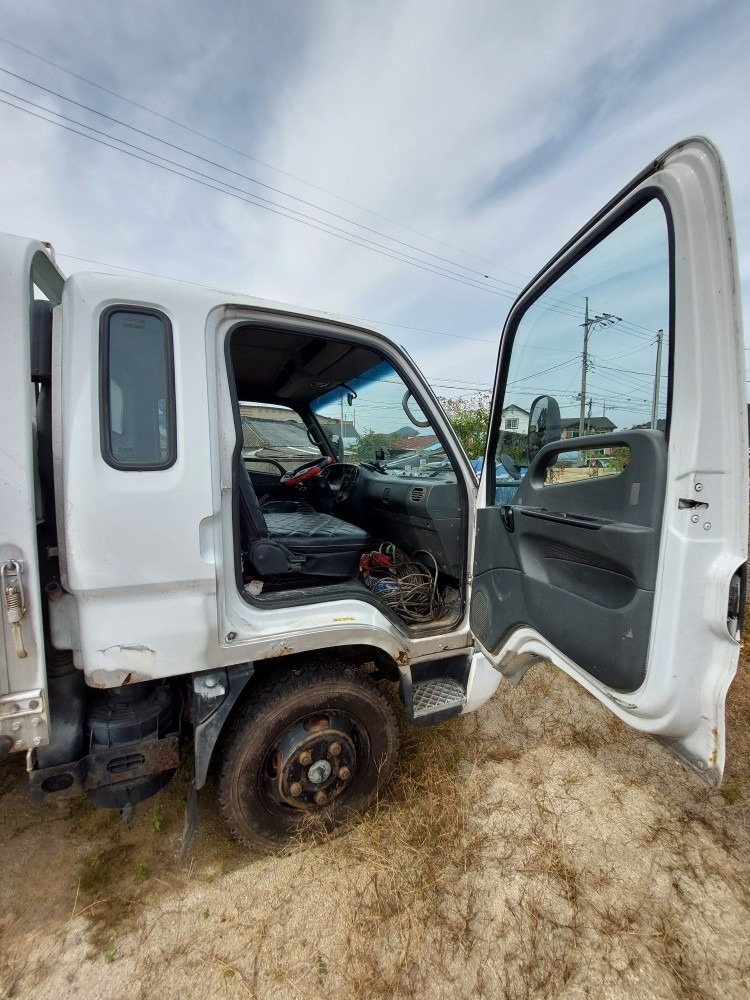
319,772
330,742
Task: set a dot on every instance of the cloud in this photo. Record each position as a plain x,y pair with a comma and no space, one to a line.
497,128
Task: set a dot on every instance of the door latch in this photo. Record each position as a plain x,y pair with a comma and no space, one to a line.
506,513
14,601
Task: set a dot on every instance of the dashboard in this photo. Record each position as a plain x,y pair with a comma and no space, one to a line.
412,512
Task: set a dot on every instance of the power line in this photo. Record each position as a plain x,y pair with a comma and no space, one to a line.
248,156
179,169
553,305
236,173
224,188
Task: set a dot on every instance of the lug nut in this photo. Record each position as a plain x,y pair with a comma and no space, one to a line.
305,758
295,789
320,798
335,749
344,773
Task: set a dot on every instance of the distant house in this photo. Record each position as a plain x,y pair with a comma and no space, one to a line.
570,426
332,427
515,420
661,425
414,443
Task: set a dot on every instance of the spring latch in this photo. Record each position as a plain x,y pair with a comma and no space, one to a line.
14,601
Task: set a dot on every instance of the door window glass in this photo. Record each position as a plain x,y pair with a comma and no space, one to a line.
591,355
589,463
138,411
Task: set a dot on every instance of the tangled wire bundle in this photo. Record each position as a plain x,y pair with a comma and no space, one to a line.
408,587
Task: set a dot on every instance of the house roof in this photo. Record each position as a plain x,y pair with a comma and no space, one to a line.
589,423
260,432
414,443
518,409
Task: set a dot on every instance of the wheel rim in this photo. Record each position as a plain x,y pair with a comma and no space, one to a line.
313,762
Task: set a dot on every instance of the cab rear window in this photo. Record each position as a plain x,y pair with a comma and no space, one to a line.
137,390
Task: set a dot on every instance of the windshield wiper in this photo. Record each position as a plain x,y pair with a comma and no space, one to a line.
374,466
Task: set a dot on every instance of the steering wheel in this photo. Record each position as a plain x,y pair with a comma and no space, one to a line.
307,471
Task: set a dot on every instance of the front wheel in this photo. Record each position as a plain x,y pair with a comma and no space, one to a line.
320,742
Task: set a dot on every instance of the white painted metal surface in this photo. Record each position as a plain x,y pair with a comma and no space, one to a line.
149,556
23,264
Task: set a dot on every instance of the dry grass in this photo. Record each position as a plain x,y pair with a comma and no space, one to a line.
538,849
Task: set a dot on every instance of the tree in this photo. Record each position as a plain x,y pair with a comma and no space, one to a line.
469,418
368,443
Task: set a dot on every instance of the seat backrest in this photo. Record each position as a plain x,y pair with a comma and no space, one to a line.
252,523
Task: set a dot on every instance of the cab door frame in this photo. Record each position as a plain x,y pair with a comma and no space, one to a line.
693,653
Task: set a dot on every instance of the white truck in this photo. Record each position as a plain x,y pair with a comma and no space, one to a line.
170,587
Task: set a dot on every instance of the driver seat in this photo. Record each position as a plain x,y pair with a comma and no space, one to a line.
301,542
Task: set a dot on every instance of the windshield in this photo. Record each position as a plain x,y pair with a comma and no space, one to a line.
274,437
373,419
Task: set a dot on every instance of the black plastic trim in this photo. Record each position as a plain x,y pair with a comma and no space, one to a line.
211,705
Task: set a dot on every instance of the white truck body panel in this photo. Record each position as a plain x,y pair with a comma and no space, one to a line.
160,598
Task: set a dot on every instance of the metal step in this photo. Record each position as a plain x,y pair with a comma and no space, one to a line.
436,696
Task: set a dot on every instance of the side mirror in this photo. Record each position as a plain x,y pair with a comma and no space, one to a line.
544,424
510,467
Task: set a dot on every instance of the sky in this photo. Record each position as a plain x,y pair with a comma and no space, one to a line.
412,163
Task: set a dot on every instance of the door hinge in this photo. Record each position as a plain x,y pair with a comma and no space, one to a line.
14,601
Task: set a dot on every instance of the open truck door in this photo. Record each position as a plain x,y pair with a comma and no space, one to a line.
620,554
30,286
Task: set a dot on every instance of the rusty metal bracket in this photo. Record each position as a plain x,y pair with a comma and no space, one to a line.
106,767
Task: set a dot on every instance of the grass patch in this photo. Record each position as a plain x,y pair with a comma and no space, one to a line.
535,850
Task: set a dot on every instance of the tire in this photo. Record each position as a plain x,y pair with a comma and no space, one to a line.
316,743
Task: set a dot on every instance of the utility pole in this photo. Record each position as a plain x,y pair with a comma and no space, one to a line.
601,319
584,368
657,380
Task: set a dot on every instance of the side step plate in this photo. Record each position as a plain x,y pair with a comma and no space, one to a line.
436,700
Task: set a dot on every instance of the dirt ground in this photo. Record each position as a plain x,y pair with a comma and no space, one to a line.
537,849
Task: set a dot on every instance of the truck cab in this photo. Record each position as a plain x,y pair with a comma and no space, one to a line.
227,525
